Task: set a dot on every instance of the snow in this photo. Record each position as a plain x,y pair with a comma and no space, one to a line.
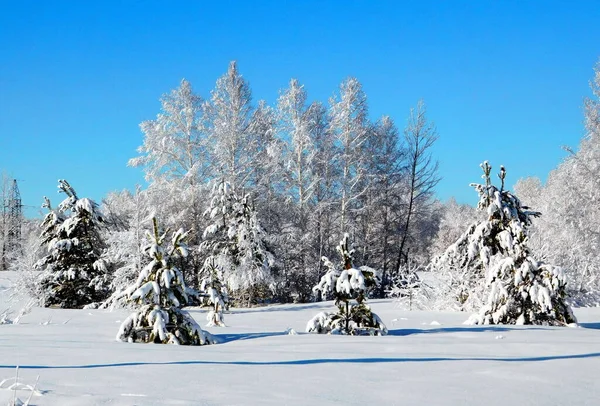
259,362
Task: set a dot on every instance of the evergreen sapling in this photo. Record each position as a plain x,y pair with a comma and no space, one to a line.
160,293
215,291
349,287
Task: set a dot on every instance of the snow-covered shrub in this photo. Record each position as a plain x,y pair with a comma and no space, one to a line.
26,286
123,251
160,293
521,289
73,272
349,286
460,273
215,291
408,289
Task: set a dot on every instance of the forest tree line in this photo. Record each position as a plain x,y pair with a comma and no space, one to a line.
312,172
277,187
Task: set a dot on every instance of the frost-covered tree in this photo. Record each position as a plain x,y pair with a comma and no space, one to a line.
128,215
299,124
454,219
349,286
74,274
238,243
348,122
234,141
383,209
569,233
216,293
160,294
26,288
175,143
521,289
296,121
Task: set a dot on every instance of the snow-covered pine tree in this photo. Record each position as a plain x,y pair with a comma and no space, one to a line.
217,297
73,272
522,290
160,294
349,287
238,244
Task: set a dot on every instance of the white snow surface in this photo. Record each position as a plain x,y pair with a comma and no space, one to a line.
259,363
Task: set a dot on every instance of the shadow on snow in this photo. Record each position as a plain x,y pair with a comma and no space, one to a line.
467,329
227,338
311,361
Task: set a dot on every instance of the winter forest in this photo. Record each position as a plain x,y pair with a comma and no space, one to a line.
299,203
262,196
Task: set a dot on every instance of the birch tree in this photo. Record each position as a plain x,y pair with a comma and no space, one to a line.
422,174
298,124
350,126
233,141
175,144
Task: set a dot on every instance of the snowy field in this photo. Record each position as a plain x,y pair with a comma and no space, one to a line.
429,358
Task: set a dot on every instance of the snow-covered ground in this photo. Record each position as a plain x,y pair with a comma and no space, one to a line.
429,358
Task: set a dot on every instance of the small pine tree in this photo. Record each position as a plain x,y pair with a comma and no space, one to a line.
349,287
238,243
522,290
160,293
217,298
73,274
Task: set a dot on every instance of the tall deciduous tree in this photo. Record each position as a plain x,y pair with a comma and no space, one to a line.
233,140
422,177
381,217
175,145
350,126
298,124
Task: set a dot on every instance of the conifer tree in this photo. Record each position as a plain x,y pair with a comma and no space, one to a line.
73,271
238,244
522,290
349,287
160,293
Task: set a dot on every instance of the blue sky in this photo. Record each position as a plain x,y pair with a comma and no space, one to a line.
503,80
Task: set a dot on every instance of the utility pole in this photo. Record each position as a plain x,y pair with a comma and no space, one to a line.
13,221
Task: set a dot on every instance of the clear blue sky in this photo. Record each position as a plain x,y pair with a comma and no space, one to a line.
503,80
